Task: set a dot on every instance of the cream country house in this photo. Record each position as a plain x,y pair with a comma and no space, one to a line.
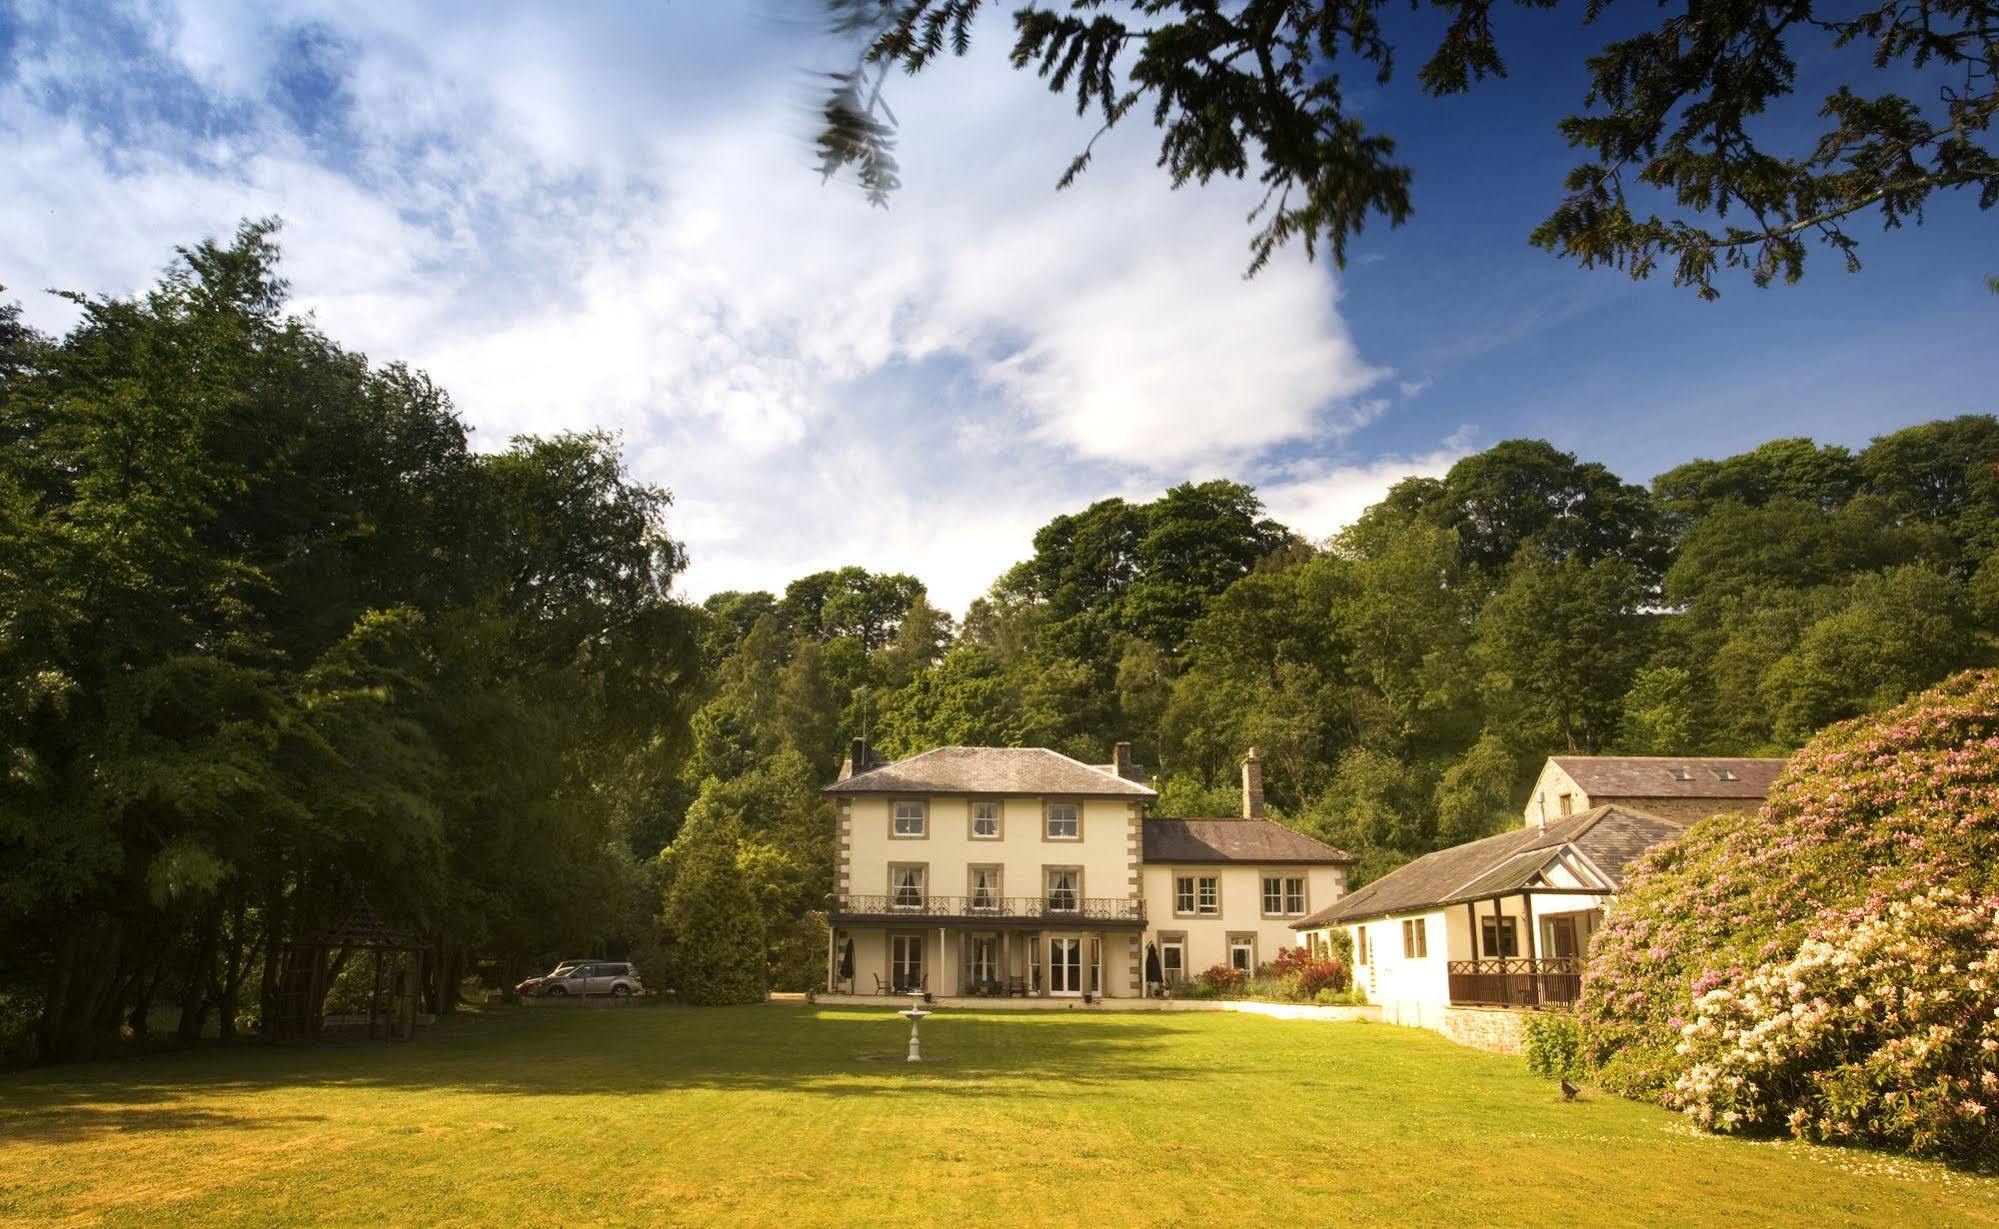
1018,871
1505,921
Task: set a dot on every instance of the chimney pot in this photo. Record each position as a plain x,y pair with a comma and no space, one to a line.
1121,761
859,759
1252,786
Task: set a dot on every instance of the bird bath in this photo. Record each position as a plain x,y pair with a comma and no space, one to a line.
915,1014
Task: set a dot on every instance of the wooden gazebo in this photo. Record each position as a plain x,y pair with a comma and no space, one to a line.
310,966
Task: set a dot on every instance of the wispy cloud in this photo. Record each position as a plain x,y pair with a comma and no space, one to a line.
608,220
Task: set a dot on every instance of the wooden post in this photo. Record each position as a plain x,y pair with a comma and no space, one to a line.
1499,949
1533,957
832,958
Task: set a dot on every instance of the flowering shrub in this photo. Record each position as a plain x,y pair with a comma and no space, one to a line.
1827,966
1222,980
1299,976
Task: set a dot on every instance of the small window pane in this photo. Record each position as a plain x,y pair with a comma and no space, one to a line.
1062,821
1210,894
909,819
985,820
1183,894
1294,897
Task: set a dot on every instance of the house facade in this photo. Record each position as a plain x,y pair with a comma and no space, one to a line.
1506,921
1019,871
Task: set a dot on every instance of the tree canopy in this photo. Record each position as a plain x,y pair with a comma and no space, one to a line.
1680,165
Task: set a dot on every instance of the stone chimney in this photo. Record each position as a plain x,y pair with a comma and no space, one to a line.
859,759
1252,786
1121,761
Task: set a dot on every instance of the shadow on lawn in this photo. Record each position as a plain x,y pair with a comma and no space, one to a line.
541,1053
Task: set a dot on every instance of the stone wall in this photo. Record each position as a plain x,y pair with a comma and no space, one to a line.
1497,1030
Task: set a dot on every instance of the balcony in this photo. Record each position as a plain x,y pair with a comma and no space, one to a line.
999,912
1553,981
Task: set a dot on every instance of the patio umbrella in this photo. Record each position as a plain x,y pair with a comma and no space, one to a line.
1153,975
847,961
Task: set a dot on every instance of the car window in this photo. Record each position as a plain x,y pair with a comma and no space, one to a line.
617,970
581,970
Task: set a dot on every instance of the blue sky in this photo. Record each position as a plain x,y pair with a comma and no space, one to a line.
605,215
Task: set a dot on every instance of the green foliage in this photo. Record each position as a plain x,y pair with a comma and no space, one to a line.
712,913
1259,87
1554,1046
275,641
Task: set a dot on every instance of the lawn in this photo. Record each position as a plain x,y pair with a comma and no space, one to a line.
764,1116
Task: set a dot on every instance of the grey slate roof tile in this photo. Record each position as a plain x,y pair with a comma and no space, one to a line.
1611,837
1013,771
1233,840
1648,776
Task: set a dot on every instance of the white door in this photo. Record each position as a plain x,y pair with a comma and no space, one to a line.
1065,966
1242,955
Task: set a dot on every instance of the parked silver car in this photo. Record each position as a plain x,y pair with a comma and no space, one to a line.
533,985
615,978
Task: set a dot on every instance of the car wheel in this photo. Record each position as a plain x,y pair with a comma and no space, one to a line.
621,992
556,992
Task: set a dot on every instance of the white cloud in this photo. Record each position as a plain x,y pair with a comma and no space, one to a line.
1321,499
595,222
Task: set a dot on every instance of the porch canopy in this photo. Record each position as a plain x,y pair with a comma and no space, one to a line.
1556,877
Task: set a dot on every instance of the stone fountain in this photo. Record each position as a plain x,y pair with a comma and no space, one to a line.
915,1014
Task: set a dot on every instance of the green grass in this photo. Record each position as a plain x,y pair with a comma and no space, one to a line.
763,1116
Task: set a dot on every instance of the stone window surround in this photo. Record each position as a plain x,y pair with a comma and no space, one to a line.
1281,876
1197,876
1046,803
971,825
923,871
1239,936
999,877
1048,894
923,810
1169,938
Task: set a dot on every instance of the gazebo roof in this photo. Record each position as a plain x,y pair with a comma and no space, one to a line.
363,927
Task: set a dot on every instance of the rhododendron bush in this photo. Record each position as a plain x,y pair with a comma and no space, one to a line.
1830,965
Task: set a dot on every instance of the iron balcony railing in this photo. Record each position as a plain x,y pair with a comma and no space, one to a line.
1054,906
1553,981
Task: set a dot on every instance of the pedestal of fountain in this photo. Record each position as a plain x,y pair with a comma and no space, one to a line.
915,1014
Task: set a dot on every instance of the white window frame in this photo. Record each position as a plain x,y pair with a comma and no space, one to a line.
1207,895
919,812
1075,822
1297,904
897,888
1074,890
988,900
993,815
1173,960
1185,909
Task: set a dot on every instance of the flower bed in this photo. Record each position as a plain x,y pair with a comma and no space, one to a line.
1296,976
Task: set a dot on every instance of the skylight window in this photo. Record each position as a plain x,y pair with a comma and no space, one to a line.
1725,774
1681,774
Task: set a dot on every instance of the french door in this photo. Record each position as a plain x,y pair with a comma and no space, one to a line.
1065,966
905,961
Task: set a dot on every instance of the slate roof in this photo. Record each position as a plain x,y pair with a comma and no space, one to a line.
991,770
1647,776
1609,837
1233,840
